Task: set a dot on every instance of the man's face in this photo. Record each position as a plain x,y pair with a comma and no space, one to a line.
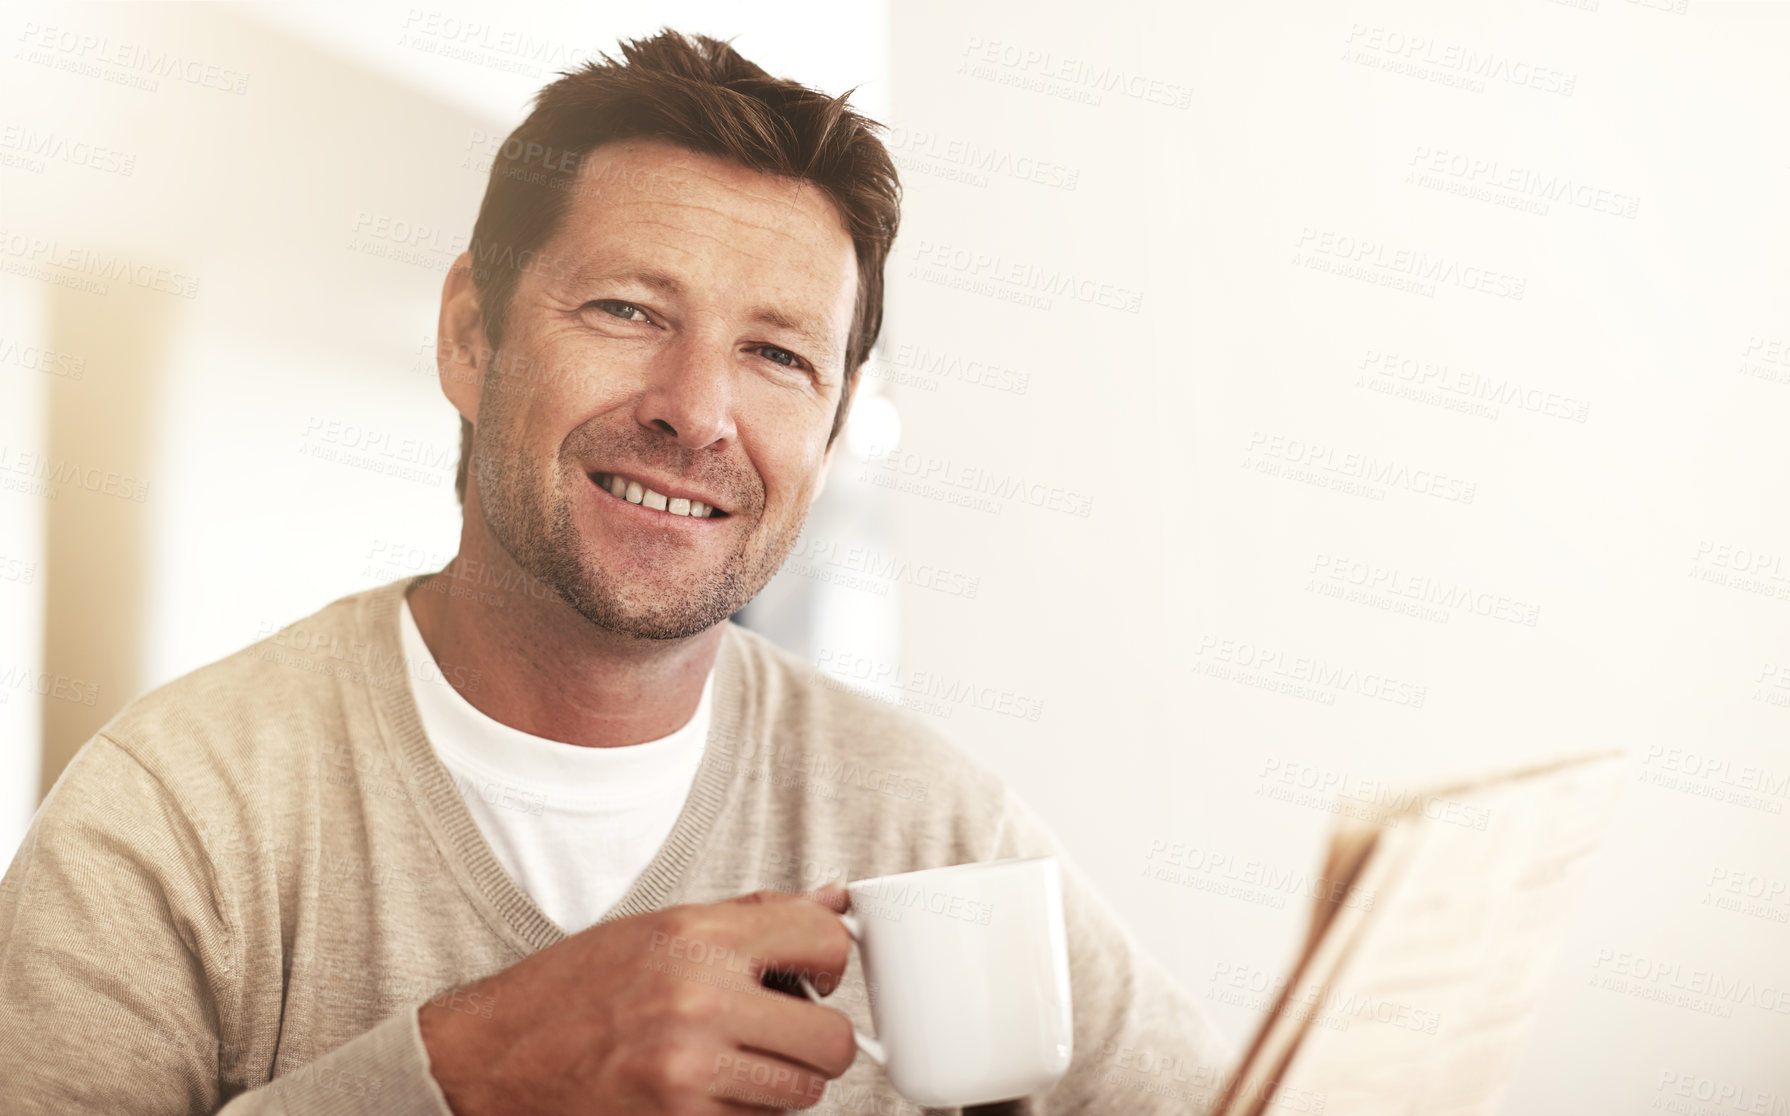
682,335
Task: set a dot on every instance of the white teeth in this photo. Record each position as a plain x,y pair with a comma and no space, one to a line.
636,493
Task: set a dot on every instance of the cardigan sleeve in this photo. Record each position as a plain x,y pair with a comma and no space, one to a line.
119,969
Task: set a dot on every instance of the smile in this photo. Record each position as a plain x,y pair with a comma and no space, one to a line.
626,488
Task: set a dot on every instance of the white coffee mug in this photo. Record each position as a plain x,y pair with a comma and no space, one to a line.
968,974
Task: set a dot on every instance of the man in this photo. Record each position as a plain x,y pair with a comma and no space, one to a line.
531,834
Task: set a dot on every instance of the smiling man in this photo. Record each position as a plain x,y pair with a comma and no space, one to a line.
530,834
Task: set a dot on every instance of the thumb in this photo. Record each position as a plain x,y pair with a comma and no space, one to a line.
833,897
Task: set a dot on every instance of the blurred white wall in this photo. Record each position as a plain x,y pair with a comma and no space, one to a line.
1538,317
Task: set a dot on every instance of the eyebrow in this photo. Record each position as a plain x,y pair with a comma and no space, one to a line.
671,285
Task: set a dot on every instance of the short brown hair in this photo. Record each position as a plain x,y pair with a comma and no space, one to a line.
699,93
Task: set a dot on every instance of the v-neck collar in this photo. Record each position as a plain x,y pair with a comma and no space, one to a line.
508,909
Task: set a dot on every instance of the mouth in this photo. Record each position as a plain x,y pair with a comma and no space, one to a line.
644,496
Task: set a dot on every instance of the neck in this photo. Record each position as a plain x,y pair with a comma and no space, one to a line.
522,656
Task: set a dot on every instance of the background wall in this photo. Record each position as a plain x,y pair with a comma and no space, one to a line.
1488,295
1219,337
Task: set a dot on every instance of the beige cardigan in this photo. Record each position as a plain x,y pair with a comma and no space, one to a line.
258,871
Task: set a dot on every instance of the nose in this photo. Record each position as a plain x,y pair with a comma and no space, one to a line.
689,392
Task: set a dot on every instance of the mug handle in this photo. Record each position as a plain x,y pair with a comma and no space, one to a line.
869,1046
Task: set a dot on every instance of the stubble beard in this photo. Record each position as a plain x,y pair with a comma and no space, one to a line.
532,518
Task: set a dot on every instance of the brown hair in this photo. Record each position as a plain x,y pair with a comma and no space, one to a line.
699,93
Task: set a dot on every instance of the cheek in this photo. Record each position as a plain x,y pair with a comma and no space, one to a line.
791,466
786,441
556,387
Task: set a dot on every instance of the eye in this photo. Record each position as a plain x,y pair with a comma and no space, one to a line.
616,308
780,356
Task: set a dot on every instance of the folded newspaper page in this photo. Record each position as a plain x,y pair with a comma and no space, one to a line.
1417,1001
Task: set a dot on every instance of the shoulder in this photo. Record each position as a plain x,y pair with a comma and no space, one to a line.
863,750
265,708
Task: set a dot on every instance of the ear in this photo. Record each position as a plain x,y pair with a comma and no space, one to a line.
461,352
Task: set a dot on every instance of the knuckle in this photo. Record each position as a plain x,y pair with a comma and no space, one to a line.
689,1067
670,1065
689,1000
684,919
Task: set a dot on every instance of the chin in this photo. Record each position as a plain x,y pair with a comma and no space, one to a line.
661,607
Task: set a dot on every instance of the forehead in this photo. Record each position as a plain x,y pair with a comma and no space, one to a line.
675,209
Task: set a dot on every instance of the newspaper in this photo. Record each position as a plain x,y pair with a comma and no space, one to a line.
1417,1002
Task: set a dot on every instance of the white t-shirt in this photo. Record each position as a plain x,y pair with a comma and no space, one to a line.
574,826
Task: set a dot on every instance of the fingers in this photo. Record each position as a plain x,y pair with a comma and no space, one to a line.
833,897
754,1080
819,1038
790,932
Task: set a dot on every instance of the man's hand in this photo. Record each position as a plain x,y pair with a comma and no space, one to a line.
660,1013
